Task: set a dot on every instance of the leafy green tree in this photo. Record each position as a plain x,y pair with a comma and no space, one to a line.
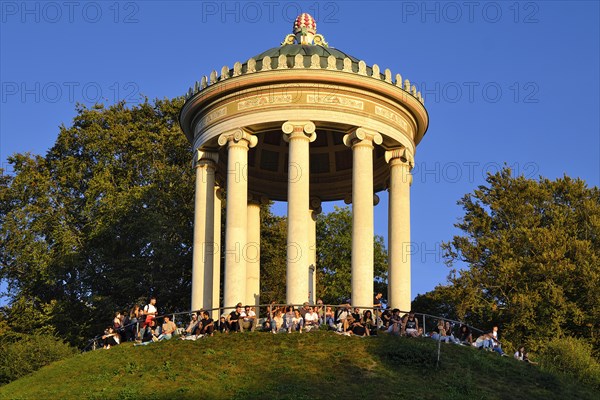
528,258
101,222
273,244
334,250
22,354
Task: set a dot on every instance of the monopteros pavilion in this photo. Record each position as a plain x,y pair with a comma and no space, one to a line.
302,123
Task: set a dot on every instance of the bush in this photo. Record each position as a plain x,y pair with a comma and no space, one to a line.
24,354
572,357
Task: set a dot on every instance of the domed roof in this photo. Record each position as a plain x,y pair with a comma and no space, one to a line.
291,50
305,50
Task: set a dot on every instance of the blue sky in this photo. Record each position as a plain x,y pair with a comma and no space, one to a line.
504,82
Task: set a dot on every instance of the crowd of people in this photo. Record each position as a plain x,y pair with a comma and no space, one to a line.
141,325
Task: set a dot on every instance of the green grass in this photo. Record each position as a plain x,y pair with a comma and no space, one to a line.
312,365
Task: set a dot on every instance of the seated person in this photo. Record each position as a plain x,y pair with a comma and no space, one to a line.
342,318
233,319
297,321
222,324
356,314
395,324
267,324
368,322
483,342
386,318
191,328
355,326
496,345
148,333
311,320
168,329
110,338
320,310
520,353
464,335
330,317
441,334
289,317
448,329
278,322
247,319
206,325
411,325
358,329
304,309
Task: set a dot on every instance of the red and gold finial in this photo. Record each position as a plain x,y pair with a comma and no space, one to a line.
305,32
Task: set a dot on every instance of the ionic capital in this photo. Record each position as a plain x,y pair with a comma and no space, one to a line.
219,193
257,199
363,137
299,130
205,158
238,137
314,207
348,199
400,155
314,203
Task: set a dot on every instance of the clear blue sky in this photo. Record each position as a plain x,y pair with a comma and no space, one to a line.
504,82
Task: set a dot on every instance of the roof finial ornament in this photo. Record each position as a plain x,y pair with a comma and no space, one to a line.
305,32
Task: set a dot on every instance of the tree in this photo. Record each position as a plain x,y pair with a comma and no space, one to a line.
273,245
101,222
528,258
334,250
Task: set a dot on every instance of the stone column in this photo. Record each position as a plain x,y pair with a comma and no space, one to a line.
314,210
216,288
253,252
361,141
401,162
238,142
299,134
202,256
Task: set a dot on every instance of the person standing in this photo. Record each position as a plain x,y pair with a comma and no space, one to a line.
150,310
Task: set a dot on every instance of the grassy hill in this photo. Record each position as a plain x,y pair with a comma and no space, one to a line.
315,365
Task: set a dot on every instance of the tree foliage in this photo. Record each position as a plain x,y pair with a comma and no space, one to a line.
334,251
528,258
99,223
22,354
273,245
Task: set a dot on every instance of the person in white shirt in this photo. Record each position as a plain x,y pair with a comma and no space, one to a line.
311,320
247,319
150,311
